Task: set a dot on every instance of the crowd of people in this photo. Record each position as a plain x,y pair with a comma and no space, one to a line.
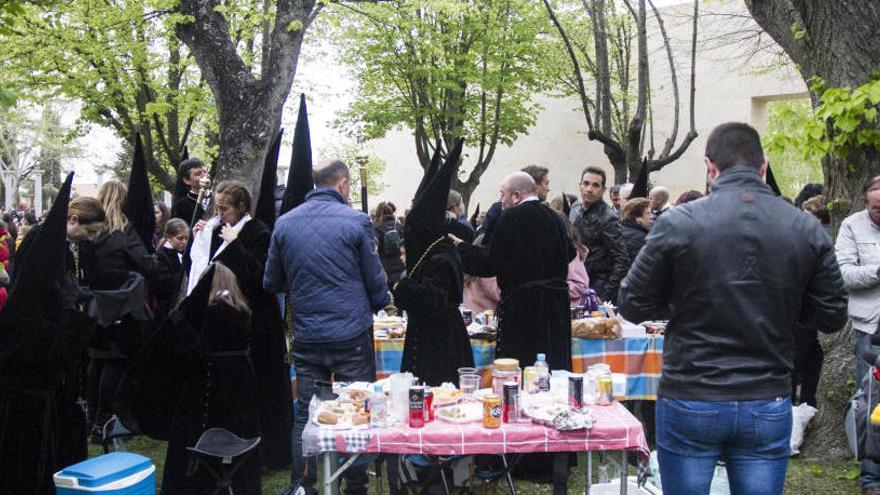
188,331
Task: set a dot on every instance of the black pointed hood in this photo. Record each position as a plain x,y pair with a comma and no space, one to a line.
566,206
184,155
299,177
771,181
138,205
640,187
265,211
43,262
426,221
475,216
429,174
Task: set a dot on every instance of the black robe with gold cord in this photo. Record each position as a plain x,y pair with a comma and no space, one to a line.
529,253
436,342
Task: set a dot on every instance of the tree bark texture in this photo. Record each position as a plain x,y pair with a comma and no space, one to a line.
838,42
249,107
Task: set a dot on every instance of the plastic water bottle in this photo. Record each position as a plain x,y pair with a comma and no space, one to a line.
543,370
377,408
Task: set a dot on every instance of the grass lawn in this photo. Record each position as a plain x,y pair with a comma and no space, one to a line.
805,477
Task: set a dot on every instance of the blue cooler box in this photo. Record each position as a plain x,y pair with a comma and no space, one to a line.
116,473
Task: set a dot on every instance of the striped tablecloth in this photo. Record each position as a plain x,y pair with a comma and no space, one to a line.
614,428
641,359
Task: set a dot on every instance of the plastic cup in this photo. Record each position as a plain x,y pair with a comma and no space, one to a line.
469,384
467,371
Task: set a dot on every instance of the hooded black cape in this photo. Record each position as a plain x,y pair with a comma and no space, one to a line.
42,337
216,387
436,342
246,257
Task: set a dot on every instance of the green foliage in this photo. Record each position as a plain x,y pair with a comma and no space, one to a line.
844,120
444,68
122,61
792,169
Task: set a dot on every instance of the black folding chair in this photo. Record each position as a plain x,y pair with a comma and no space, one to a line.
220,444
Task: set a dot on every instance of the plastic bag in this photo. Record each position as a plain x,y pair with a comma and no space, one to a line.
800,418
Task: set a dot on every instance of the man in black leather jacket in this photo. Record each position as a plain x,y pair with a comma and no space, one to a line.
599,228
738,269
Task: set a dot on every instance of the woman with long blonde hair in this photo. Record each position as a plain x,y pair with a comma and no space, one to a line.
108,255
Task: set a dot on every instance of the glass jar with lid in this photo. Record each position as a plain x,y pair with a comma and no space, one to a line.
505,370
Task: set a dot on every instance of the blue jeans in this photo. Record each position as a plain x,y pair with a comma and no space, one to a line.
751,437
348,361
870,477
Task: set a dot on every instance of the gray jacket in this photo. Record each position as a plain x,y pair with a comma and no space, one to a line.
858,253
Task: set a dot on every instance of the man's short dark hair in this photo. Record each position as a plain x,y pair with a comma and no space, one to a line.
871,186
187,165
537,172
330,172
614,189
734,143
594,170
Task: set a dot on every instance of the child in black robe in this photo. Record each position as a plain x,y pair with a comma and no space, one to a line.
216,381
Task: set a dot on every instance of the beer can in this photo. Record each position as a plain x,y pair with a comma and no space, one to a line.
576,392
492,411
574,312
581,311
429,405
510,410
416,407
530,380
606,388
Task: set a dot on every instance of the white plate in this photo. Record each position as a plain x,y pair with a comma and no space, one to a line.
472,412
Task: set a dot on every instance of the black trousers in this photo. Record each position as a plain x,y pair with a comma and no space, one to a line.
808,360
103,378
346,361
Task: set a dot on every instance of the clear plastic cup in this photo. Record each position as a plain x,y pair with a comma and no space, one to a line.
469,384
467,371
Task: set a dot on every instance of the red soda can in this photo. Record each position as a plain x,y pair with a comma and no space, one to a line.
510,408
416,407
429,405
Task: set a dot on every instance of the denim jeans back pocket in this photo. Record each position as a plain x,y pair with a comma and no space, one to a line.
687,427
772,434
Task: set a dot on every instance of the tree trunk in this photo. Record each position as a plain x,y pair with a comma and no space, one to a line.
836,41
249,107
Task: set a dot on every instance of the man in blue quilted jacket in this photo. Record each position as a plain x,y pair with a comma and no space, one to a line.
323,256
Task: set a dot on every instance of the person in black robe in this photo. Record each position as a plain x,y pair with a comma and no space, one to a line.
169,254
43,333
529,252
437,342
242,244
215,377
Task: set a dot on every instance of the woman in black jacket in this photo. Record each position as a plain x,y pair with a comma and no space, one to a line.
106,262
636,219
389,236
169,252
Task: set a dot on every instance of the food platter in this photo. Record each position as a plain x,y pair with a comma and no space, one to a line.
341,415
466,412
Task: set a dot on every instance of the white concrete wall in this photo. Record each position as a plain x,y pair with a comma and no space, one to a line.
728,89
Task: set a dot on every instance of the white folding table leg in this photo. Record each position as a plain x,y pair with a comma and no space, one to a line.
623,470
588,476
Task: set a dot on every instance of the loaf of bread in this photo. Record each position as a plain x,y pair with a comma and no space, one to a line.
360,419
327,418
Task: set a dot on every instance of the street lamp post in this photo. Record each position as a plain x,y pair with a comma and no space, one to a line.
362,159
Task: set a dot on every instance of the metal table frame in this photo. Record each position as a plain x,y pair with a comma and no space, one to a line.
560,462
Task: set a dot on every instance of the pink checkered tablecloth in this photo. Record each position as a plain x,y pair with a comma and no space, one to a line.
614,428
